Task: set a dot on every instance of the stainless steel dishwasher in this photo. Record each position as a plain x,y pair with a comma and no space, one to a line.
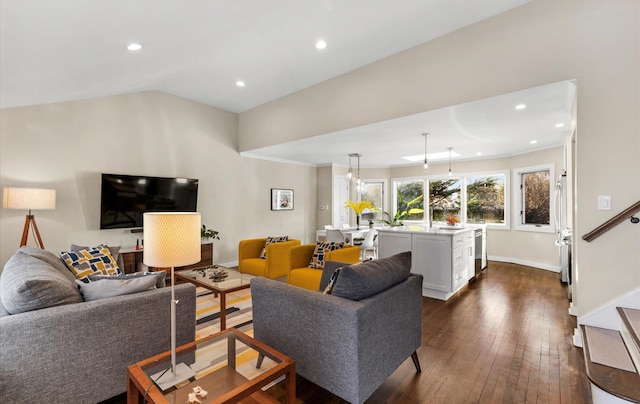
480,256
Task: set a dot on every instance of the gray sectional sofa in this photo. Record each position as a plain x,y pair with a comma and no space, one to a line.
350,341
72,351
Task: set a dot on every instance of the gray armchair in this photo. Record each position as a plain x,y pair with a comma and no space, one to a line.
348,345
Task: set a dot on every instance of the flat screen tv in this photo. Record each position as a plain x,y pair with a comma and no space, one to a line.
124,198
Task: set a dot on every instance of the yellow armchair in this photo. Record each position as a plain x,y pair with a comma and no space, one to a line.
309,278
275,265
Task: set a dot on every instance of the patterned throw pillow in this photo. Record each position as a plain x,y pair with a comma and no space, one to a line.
94,260
320,253
270,240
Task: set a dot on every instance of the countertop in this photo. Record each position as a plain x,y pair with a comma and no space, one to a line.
423,229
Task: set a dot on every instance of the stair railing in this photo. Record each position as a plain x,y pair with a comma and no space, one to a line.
614,221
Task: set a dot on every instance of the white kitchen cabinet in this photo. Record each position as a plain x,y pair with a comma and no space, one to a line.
444,258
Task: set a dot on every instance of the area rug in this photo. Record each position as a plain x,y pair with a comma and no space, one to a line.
239,314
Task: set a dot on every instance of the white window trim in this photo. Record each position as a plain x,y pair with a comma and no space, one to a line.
517,199
507,197
385,190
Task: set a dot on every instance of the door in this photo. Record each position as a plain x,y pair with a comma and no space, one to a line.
340,198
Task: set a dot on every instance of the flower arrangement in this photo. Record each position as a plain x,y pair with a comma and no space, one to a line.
359,207
452,220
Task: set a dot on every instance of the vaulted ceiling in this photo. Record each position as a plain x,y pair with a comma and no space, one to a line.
52,51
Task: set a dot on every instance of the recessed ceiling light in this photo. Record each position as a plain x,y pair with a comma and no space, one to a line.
321,44
559,125
479,154
533,142
521,106
240,83
134,47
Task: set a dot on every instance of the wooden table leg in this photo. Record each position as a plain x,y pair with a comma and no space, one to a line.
223,311
290,385
133,395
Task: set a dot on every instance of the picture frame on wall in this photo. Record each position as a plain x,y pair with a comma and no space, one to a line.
281,199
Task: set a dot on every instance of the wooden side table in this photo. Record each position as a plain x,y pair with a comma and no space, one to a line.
224,366
131,258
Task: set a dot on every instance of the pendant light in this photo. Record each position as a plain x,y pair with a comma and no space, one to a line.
358,182
425,166
450,172
357,173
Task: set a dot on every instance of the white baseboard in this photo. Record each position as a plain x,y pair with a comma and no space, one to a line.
229,264
546,267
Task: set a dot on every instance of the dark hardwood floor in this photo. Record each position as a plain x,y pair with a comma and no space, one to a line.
505,338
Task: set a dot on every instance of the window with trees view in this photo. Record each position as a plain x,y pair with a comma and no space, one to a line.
534,198
477,198
445,199
485,199
409,200
373,191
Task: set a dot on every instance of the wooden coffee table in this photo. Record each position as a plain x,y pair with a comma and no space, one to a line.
224,365
234,282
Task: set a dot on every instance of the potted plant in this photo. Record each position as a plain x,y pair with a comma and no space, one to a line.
397,218
207,234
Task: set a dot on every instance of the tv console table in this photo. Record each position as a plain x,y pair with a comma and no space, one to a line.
132,258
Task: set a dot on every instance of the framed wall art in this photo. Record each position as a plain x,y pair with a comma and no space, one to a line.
281,199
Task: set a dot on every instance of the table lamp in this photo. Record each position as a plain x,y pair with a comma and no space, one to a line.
172,239
30,199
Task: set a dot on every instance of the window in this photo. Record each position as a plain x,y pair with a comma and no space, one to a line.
533,198
373,191
445,199
408,200
485,199
475,198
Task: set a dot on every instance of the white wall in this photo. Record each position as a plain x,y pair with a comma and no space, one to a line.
545,41
66,146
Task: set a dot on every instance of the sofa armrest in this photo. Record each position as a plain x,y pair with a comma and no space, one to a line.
279,259
44,351
250,248
349,254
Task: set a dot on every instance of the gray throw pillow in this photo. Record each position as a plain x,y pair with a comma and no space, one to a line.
359,281
327,272
49,258
28,283
115,287
3,310
159,275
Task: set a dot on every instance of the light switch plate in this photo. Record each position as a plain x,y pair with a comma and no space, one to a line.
604,202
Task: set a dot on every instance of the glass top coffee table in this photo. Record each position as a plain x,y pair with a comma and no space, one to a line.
219,280
225,366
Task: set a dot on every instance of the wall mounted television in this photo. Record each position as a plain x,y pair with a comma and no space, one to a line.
124,198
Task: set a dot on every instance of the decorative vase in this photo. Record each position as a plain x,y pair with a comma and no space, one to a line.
357,221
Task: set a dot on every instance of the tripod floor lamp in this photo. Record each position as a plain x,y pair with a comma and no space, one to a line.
30,199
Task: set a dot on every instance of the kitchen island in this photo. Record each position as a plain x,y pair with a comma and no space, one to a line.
445,256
